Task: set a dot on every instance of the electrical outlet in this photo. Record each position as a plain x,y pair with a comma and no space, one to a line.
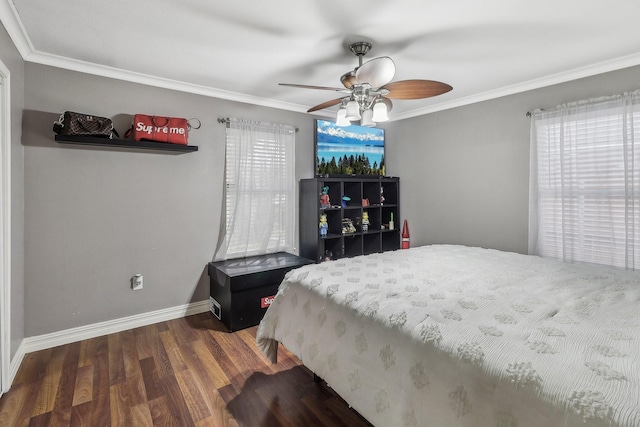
136,282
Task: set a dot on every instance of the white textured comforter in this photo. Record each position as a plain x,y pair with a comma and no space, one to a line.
471,337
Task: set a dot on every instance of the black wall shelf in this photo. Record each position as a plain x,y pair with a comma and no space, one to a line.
125,143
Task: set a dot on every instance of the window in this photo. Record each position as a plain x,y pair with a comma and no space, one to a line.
259,190
585,182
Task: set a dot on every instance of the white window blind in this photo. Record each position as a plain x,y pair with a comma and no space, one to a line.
585,182
259,190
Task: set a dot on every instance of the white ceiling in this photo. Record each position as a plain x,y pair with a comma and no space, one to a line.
241,50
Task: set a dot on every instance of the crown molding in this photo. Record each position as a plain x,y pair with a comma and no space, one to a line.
161,82
13,24
567,76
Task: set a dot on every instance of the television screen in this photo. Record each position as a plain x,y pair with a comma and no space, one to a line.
348,150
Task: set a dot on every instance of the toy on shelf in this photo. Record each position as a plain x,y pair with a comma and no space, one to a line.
345,200
324,198
365,221
347,226
324,226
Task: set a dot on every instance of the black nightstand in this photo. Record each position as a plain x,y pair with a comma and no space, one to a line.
242,289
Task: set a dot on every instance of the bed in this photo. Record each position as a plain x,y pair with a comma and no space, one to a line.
449,335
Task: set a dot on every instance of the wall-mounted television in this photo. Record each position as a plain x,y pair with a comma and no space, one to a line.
348,150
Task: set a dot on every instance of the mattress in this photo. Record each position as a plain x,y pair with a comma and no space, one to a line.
450,335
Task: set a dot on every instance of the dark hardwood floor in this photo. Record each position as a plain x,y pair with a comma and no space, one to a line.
183,372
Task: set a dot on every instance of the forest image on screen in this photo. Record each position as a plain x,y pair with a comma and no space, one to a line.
349,150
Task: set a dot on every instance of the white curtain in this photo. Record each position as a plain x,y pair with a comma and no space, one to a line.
260,189
585,182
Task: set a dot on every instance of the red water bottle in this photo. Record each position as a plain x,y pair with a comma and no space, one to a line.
405,235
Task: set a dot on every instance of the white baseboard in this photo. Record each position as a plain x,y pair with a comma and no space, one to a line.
42,342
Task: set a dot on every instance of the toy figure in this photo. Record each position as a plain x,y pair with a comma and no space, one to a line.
328,255
365,221
324,198
324,226
345,200
347,226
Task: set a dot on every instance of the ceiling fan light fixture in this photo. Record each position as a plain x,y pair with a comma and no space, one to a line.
367,118
353,110
369,87
341,117
380,111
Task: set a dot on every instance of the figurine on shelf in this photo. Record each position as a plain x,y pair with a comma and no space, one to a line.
365,221
324,198
324,226
347,226
381,196
345,200
328,255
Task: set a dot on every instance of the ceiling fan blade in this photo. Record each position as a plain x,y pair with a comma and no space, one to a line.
377,72
348,79
416,89
325,105
335,89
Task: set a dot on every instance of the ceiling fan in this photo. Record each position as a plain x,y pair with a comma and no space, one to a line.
368,89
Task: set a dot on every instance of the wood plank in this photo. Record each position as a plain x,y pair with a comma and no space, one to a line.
81,415
83,388
132,370
192,395
13,405
151,378
101,408
171,348
176,401
141,415
161,359
64,398
47,394
221,416
87,352
116,359
60,417
120,408
161,413
33,367
208,364
41,420
50,382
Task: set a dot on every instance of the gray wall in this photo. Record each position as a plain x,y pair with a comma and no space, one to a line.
95,217
465,171
12,60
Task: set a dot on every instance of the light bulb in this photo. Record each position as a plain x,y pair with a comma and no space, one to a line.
380,112
341,117
367,118
353,110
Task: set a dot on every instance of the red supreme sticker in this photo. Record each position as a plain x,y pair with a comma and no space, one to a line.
266,301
